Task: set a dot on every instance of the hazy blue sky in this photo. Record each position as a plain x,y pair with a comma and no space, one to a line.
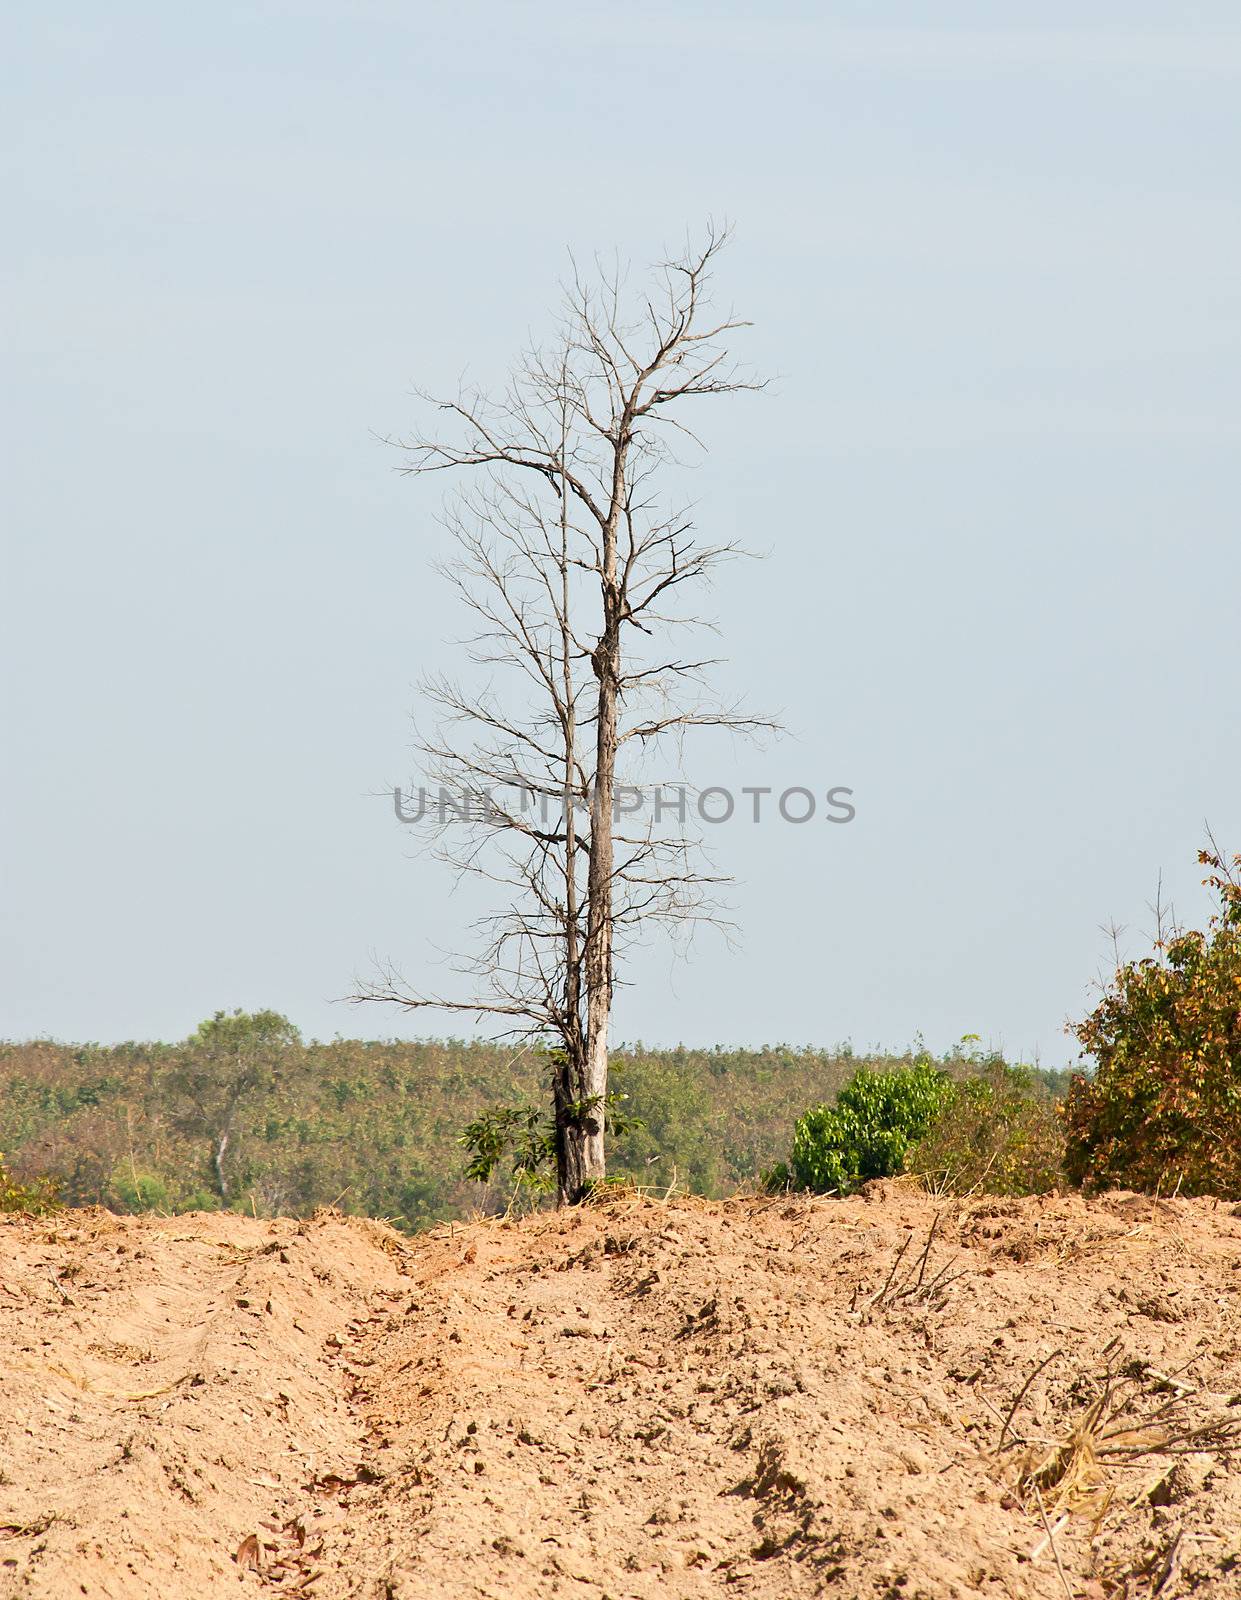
993,254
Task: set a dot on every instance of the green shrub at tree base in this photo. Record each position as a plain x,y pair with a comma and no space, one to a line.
867,1133
1162,1110
526,1135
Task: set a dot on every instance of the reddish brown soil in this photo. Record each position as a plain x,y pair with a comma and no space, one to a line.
638,1399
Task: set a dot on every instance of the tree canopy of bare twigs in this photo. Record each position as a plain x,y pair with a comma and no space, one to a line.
589,666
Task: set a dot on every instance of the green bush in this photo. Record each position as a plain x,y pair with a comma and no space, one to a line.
1000,1132
1162,1111
140,1191
867,1133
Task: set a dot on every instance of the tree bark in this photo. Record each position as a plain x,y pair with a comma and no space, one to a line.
573,1159
599,927
573,1176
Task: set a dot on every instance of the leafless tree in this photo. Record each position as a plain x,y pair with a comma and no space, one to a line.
575,568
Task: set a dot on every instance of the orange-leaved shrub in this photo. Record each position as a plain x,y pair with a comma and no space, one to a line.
1162,1109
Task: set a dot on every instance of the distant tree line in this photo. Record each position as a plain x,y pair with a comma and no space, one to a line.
247,1116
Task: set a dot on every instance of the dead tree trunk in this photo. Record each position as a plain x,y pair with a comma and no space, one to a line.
570,562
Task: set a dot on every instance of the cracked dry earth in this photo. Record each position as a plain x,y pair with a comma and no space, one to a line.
887,1396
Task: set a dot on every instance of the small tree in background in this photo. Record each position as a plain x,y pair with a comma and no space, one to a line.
1162,1111
229,1057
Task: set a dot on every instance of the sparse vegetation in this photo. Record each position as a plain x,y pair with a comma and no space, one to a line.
526,1135
1000,1132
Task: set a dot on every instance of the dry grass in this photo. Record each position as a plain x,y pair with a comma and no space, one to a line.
911,1281
1082,1471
